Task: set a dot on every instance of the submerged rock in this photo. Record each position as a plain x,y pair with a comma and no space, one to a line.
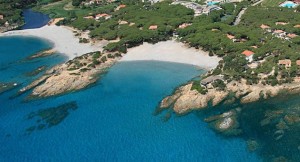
42,54
51,116
225,123
7,86
252,145
292,118
36,71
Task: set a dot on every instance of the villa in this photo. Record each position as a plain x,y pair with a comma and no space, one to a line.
287,63
229,36
279,34
184,25
191,5
296,1
249,55
120,6
209,9
298,62
1,17
292,35
281,23
122,22
153,27
263,26
211,79
297,26
104,15
6,24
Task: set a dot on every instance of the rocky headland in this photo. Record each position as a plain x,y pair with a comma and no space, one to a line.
72,75
185,98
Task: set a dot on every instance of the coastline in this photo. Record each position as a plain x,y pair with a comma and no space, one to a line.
65,42
171,51
63,38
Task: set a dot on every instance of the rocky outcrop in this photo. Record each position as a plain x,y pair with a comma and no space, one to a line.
185,99
42,54
72,75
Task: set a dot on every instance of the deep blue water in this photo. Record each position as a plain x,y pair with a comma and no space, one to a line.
34,19
114,120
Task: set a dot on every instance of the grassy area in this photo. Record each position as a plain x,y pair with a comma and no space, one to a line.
271,3
60,9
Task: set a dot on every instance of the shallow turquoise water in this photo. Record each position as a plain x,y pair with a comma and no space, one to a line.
114,119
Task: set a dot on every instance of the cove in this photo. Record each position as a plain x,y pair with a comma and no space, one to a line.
112,120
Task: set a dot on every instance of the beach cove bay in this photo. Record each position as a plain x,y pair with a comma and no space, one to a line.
113,120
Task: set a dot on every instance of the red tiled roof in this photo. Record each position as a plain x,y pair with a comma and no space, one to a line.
122,6
263,26
153,27
247,53
297,26
278,31
184,25
292,35
229,36
285,62
281,23
102,15
296,1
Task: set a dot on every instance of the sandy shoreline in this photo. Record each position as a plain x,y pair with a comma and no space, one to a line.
67,43
63,38
171,51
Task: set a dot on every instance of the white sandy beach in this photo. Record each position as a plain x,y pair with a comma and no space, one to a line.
63,38
66,43
171,51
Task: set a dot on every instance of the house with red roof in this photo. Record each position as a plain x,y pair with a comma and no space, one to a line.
229,36
281,23
286,63
292,35
263,26
296,1
184,25
153,27
104,15
297,26
249,55
120,6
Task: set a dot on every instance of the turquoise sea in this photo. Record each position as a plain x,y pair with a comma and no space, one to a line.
113,120
116,118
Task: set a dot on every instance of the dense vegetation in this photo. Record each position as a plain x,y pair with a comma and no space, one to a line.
12,10
129,27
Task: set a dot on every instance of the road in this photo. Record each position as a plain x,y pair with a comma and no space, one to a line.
239,17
